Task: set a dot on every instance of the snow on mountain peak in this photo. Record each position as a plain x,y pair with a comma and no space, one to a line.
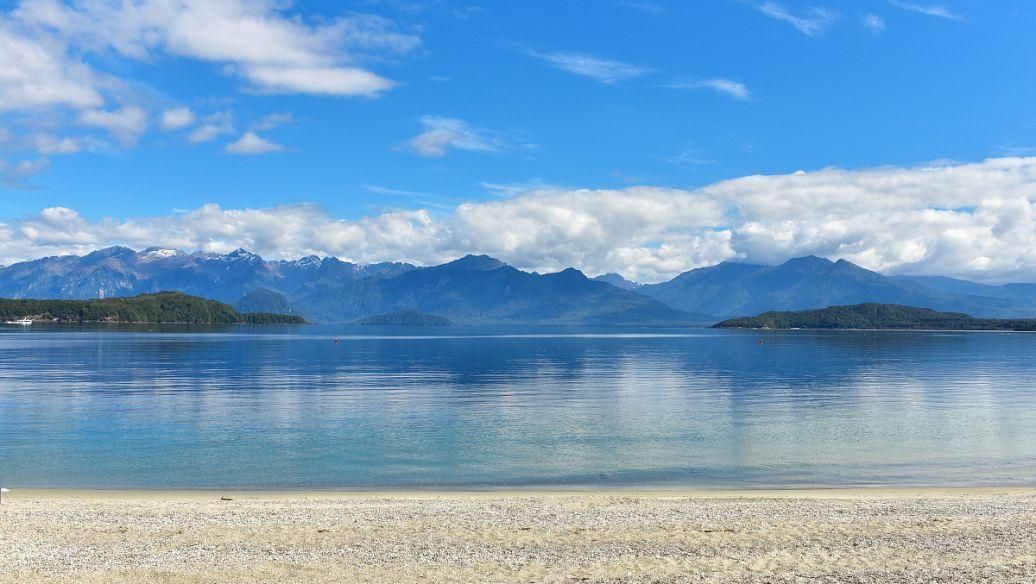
310,261
159,253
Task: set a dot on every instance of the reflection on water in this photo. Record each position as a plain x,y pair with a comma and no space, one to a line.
288,407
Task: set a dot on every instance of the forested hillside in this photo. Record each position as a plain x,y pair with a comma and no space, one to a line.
163,307
876,316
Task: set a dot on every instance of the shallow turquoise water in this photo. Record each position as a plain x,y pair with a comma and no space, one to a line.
288,408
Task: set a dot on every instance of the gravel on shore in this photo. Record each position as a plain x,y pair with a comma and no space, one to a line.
837,536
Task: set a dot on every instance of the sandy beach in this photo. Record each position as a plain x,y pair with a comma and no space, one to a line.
846,535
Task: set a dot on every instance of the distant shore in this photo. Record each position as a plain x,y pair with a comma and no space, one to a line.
851,535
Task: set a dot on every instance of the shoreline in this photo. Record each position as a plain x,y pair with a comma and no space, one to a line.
510,492
858,535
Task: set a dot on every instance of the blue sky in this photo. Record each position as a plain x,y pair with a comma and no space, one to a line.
383,107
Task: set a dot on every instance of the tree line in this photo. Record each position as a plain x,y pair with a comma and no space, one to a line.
163,307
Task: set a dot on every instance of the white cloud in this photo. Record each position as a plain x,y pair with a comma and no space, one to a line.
37,73
16,175
811,23
975,220
53,55
274,50
343,81
1013,150
935,10
734,89
602,70
48,144
507,190
440,134
873,23
252,143
690,156
177,118
212,127
126,124
649,7
272,121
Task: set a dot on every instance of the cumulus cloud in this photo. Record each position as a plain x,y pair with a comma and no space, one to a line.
602,70
177,118
975,220
55,54
440,134
48,144
273,50
212,127
125,124
38,73
252,143
810,23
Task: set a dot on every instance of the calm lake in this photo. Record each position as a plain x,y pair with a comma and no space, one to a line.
287,407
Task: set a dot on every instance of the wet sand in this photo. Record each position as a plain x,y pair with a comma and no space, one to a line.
839,535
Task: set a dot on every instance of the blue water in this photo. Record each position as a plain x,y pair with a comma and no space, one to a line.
286,407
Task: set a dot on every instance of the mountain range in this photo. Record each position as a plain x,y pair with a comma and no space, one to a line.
471,290
483,290
737,289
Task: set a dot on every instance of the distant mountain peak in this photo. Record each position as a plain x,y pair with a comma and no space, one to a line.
310,261
617,280
110,251
241,254
475,263
810,260
160,253
570,273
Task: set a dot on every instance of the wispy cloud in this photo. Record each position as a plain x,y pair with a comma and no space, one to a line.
441,134
1016,150
420,197
734,89
397,192
602,70
936,10
810,23
873,23
690,156
507,190
273,120
467,12
727,87
16,175
643,6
